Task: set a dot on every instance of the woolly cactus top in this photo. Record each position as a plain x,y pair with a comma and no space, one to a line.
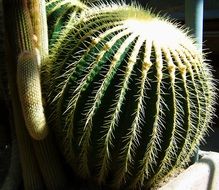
131,96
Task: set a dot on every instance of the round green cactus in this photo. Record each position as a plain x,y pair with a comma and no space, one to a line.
130,96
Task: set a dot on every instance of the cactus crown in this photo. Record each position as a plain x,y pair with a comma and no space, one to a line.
130,96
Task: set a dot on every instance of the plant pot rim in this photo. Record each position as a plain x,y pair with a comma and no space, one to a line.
202,175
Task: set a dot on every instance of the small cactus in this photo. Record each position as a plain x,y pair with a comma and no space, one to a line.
130,96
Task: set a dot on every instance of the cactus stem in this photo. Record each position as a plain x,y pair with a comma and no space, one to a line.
29,88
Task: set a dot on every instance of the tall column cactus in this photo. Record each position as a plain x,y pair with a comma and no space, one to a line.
16,12
27,48
130,96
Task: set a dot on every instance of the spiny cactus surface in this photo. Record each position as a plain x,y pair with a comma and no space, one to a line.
28,82
59,13
130,95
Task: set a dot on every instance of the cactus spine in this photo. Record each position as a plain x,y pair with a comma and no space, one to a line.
131,97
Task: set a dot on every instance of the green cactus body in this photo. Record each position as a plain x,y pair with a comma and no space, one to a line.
131,96
59,13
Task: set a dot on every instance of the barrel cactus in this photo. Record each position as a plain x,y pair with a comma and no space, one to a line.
129,96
